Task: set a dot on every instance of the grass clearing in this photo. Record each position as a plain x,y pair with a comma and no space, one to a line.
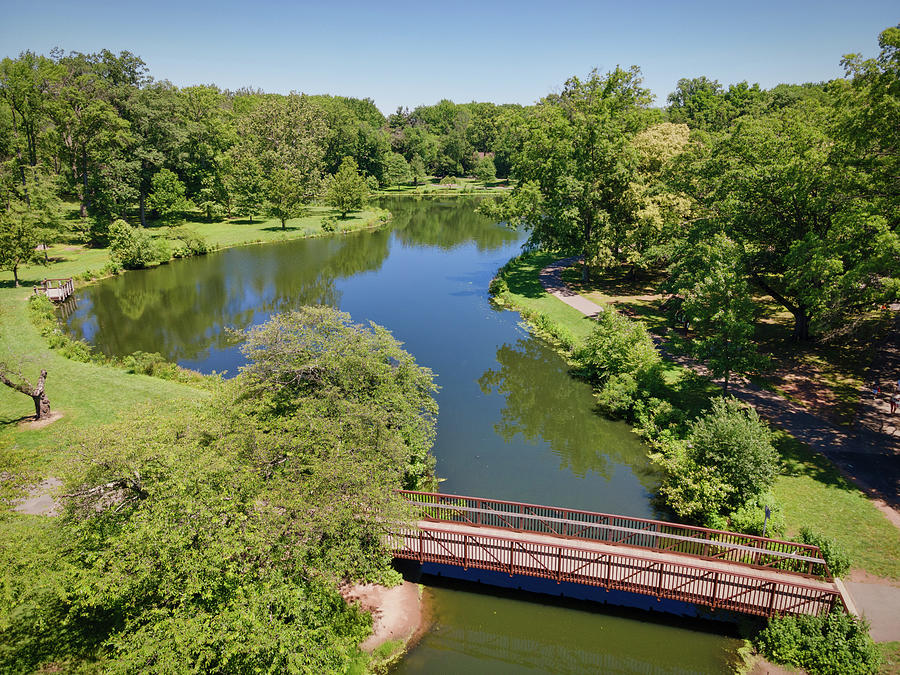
890,658
87,394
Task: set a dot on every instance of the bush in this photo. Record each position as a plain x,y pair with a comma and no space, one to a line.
749,518
735,441
834,644
617,346
836,557
133,247
191,243
726,462
329,224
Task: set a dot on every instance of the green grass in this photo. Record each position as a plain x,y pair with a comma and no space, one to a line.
890,658
813,493
434,188
72,260
87,394
525,292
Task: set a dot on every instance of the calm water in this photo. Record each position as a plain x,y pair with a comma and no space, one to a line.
512,423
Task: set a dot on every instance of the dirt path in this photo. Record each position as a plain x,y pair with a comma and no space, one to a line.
869,457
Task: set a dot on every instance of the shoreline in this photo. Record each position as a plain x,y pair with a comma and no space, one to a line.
399,614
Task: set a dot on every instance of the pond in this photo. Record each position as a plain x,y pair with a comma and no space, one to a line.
513,424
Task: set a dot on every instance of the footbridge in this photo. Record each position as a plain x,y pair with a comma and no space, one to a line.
711,568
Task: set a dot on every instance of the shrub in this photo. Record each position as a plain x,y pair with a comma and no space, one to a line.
834,644
836,557
191,243
617,346
749,517
498,286
726,462
735,441
133,247
329,224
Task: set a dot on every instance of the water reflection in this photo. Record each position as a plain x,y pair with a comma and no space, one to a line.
183,309
543,403
445,224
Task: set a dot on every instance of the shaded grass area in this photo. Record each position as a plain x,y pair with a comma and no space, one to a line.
813,494
72,260
810,490
825,375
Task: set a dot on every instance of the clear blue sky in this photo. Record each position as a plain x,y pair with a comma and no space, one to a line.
401,53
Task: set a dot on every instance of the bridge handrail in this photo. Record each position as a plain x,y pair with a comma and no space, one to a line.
785,553
618,528
827,597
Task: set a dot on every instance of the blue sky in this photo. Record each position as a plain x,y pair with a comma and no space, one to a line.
404,53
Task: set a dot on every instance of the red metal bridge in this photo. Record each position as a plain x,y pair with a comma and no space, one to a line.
711,568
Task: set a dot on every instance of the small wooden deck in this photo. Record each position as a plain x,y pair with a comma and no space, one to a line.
58,290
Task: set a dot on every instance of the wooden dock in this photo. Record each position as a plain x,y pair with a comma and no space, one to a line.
58,290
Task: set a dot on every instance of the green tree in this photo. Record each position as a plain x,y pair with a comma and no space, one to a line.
347,190
773,185
285,195
709,276
20,232
396,170
576,164
167,196
727,460
417,170
485,171
133,247
244,181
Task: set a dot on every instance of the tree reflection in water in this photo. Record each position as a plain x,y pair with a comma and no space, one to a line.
544,402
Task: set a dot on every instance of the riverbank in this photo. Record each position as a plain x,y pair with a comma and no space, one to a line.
399,618
811,490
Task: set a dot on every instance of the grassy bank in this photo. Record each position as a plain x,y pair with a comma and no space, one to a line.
74,260
810,490
433,187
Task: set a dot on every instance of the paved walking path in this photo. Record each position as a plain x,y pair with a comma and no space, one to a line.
871,459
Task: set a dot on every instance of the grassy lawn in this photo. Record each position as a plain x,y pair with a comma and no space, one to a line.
813,493
890,655
86,394
72,260
525,292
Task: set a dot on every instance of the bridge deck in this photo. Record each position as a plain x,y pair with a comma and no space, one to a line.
712,583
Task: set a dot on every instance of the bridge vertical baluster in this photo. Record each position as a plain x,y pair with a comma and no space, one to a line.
659,584
558,564
715,590
480,507
465,551
771,598
421,546
510,558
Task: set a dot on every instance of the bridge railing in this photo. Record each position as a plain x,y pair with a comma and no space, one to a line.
645,533
629,571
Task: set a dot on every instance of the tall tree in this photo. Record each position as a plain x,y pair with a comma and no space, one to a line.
347,190
576,165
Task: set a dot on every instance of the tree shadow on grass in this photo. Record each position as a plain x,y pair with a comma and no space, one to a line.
798,460
523,278
23,283
279,228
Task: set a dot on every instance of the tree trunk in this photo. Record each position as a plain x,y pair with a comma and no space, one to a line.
37,394
282,224
801,325
141,200
84,184
15,271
